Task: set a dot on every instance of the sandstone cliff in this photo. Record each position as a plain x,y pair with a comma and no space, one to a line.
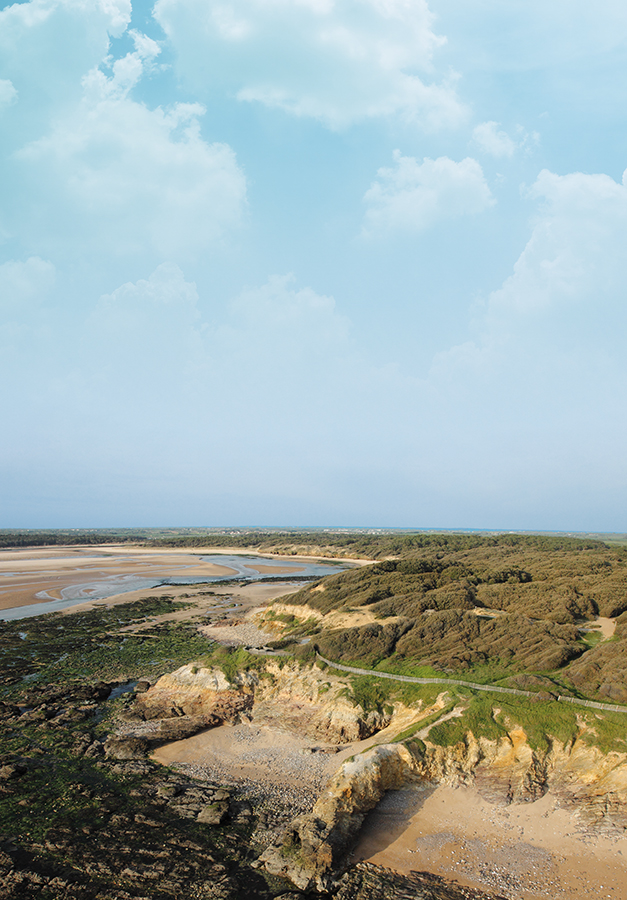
316,845
290,697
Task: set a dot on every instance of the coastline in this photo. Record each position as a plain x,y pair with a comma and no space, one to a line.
58,577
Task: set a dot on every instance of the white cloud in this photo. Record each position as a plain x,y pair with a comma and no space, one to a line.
281,311
491,140
335,62
575,257
412,196
137,326
499,143
114,174
47,45
8,94
558,323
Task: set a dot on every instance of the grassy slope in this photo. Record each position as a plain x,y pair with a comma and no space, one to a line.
493,610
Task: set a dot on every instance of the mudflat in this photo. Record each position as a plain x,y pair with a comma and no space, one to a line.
38,576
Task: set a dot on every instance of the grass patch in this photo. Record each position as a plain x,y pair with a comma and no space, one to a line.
369,693
231,660
609,731
88,645
541,721
423,723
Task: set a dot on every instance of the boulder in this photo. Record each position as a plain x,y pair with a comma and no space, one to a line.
214,813
122,748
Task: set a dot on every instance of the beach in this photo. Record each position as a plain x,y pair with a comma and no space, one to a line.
525,851
75,576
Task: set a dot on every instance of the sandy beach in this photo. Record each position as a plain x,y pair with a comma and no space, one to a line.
39,575
526,851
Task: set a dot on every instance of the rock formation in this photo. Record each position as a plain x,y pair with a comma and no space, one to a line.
302,700
315,845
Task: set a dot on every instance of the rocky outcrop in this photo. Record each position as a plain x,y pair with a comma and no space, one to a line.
316,845
313,849
197,691
592,783
312,703
302,700
366,881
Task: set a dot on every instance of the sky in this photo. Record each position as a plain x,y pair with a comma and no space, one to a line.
313,263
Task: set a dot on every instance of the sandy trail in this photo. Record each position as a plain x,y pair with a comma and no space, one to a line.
530,851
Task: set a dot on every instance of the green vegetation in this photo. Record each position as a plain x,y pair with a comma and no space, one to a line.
370,693
488,609
61,648
231,660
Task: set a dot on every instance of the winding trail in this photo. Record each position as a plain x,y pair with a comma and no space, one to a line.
488,688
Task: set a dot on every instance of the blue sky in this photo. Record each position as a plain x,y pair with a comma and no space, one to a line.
313,262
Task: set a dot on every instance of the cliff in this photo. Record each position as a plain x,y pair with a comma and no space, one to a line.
315,847
302,700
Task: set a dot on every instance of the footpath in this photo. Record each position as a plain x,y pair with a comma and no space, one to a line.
489,688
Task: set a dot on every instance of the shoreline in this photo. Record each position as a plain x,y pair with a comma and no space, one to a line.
59,578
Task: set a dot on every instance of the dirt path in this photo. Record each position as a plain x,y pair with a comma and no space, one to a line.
488,688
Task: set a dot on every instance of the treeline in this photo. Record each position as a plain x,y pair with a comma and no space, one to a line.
363,544
56,537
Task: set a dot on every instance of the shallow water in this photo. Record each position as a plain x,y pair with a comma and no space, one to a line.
112,585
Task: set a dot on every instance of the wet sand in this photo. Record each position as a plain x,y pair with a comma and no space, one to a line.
528,851
39,575
30,577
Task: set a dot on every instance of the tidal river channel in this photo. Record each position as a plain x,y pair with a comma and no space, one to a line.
48,581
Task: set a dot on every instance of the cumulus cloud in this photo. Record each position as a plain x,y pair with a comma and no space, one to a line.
497,143
133,329
47,45
122,176
330,61
412,196
500,144
557,324
574,258
282,311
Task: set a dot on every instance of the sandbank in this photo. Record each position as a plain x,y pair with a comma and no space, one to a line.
39,578
39,575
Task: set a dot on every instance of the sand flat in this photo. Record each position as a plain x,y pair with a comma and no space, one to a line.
527,851
26,574
40,574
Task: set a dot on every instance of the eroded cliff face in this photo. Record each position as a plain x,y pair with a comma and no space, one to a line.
312,703
583,778
315,845
314,848
291,697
